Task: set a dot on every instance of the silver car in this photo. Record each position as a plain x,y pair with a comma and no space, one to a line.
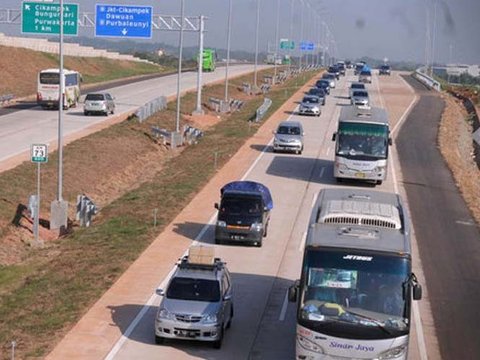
360,98
355,87
289,137
99,103
197,304
310,105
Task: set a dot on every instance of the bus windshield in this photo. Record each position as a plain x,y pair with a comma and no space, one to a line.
345,293
362,141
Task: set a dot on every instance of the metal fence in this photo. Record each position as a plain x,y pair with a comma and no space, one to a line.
151,108
262,110
427,80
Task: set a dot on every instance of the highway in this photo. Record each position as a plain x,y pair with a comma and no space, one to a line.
20,129
120,324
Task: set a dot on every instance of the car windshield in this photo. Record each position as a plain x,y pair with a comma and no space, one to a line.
367,73
311,100
362,140
241,206
360,94
288,130
358,86
357,290
94,97
182,288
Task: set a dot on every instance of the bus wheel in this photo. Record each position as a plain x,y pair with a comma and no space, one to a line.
339,179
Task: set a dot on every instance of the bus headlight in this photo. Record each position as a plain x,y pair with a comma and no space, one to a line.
309,345
256,227
221,223
393,353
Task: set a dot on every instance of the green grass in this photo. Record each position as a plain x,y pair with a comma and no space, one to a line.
46,297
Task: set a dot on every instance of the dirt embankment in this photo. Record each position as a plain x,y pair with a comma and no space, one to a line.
455,140
19,69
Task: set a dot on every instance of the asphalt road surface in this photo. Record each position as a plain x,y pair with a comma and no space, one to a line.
447,235
264,322
20,129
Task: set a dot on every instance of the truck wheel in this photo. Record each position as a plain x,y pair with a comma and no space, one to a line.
159,340
339,179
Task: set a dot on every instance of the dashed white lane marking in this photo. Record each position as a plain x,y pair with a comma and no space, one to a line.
468,222
283,312
322,170
302,243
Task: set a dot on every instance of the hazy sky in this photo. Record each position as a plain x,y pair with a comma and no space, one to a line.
395,29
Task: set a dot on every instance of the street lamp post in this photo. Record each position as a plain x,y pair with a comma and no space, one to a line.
276,42
179,74
229,27
256,45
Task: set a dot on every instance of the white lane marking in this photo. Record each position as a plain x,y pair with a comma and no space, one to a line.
328,150
283,312
301,246
314,200
322,170
416,311
118,345
120,342
404,115
264,150
468,222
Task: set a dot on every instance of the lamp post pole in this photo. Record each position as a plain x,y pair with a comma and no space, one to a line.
276,42
229,29
256,45
179,75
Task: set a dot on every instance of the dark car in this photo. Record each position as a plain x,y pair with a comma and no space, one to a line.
243,213
334,70
319,93
384,70
323,84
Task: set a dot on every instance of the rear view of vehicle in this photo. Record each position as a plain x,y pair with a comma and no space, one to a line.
243,213
48,88
288,137
355,86
99,103
209,59
384,70
198,301
365,76
310,105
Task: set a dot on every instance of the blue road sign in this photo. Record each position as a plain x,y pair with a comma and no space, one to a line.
123,21
307,45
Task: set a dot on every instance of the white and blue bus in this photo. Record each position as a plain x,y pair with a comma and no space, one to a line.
48,88
361,144
356,287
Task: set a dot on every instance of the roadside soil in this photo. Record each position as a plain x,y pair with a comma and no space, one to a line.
455,142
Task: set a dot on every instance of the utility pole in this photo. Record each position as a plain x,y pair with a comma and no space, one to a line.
256,45
198,110
180,54
276,42
229,29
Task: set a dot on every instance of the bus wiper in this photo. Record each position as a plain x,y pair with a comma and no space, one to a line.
374,321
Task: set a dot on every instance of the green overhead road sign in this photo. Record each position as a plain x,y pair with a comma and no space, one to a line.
286,44
44,18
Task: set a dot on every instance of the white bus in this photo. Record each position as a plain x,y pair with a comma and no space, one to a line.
48,88
356,287
362,140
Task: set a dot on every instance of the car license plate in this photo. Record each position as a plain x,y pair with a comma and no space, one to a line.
237,237
187,333
360,175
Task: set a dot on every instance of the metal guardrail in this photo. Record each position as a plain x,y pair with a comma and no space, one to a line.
151,108
6,98
191,135
262,110
427,80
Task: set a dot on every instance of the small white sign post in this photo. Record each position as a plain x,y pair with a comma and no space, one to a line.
39,155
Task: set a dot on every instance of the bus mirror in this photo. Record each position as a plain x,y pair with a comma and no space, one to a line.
417,292
334,136
216,206
390,142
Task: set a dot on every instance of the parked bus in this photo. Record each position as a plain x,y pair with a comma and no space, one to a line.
356,288
362,141
209,59
48,88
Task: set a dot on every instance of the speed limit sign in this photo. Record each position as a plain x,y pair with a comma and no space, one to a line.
39,153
